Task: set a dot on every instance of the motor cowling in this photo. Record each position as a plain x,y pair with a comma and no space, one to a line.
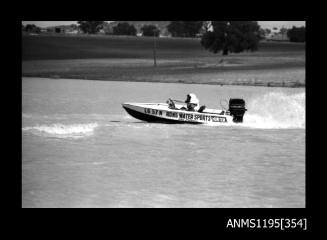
237,109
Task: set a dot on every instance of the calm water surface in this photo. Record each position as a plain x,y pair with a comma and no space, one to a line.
81,149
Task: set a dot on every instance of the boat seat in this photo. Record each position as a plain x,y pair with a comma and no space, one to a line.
201,108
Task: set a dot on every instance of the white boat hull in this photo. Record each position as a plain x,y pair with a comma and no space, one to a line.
159,112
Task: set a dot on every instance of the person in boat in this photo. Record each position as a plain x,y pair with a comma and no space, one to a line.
171,104
192,102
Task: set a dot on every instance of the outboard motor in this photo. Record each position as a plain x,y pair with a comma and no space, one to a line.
237,109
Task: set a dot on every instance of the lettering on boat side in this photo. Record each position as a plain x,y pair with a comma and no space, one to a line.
218,119
202,117
172,114
186,116
153,111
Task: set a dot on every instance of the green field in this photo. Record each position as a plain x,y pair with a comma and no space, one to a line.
122,58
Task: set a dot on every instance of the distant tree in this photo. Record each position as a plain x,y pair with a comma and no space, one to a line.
175,28
150,30
73,26
184,28
262,33
232,36
90,27
124,29
267,31
32,28
296,34
283,30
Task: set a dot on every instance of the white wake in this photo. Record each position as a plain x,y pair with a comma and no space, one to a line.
64,131
276,110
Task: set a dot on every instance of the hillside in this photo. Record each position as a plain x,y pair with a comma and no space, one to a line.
122,58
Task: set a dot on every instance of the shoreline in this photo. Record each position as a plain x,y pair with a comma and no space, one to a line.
235,83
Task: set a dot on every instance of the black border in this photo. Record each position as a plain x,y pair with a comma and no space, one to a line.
210,220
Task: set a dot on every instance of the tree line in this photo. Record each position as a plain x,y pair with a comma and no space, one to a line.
32,28
216,36
175,28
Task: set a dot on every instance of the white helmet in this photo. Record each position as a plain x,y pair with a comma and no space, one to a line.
193,98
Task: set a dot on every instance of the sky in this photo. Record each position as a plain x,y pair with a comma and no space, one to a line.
263,24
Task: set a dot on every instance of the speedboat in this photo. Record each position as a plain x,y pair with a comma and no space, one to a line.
177,113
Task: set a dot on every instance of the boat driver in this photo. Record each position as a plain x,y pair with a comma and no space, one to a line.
192,102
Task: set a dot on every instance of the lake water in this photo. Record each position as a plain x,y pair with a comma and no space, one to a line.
81,149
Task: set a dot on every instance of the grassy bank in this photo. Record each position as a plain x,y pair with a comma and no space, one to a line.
178,60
